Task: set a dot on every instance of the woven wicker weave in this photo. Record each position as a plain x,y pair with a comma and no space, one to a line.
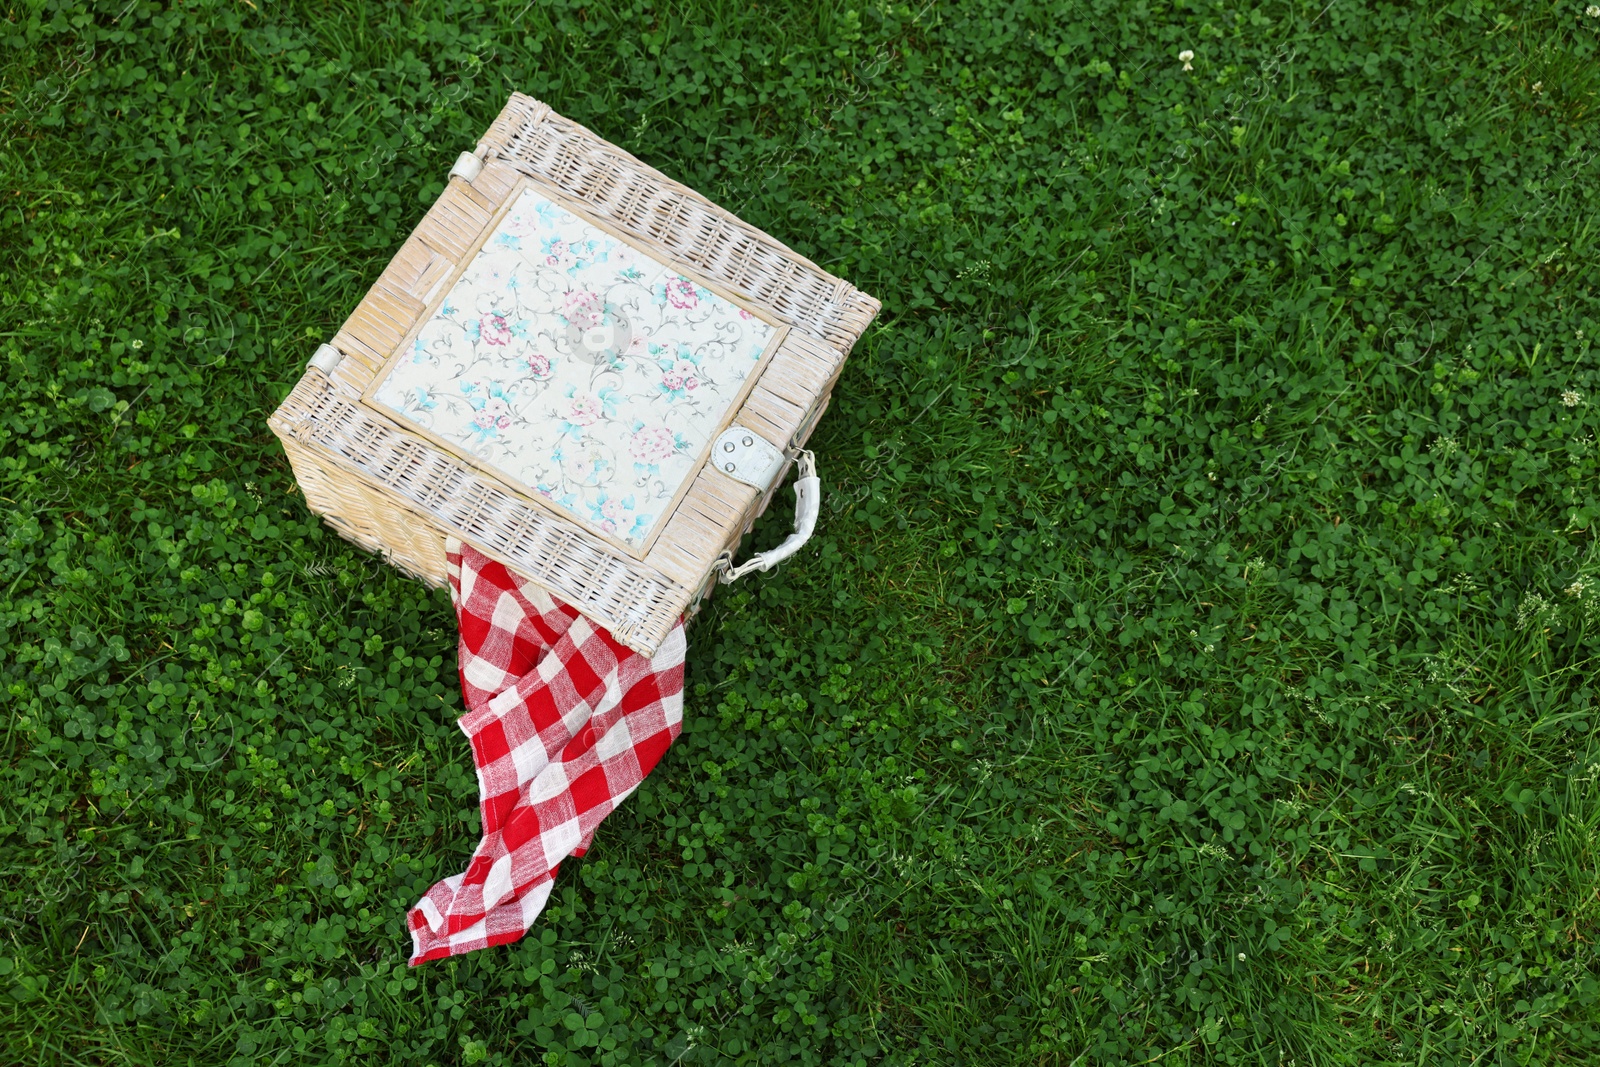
391,489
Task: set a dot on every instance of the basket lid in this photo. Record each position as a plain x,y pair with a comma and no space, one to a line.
580,367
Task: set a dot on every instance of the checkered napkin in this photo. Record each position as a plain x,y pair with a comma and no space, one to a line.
564,723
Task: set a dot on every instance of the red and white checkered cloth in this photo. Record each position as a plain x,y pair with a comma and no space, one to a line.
564,723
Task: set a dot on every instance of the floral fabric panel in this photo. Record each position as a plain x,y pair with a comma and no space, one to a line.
578,366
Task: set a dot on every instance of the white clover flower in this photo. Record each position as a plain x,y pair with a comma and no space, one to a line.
1593,11
1186,57
1241,957
1571,398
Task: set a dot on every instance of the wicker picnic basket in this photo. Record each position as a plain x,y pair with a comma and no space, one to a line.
588,371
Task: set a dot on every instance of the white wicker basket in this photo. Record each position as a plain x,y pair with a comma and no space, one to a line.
583,368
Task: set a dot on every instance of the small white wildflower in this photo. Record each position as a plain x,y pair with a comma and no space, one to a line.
1538,87
1571,397
1534,610
1593,11
1186,57
136,345
1576,588
1241,957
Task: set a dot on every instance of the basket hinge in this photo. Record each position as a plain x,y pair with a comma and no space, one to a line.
468,167
325,359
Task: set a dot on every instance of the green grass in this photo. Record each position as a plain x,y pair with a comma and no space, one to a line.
1195,661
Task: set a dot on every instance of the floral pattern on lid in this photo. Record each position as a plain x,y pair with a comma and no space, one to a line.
579,366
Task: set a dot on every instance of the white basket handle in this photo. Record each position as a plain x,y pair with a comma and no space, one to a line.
807,505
